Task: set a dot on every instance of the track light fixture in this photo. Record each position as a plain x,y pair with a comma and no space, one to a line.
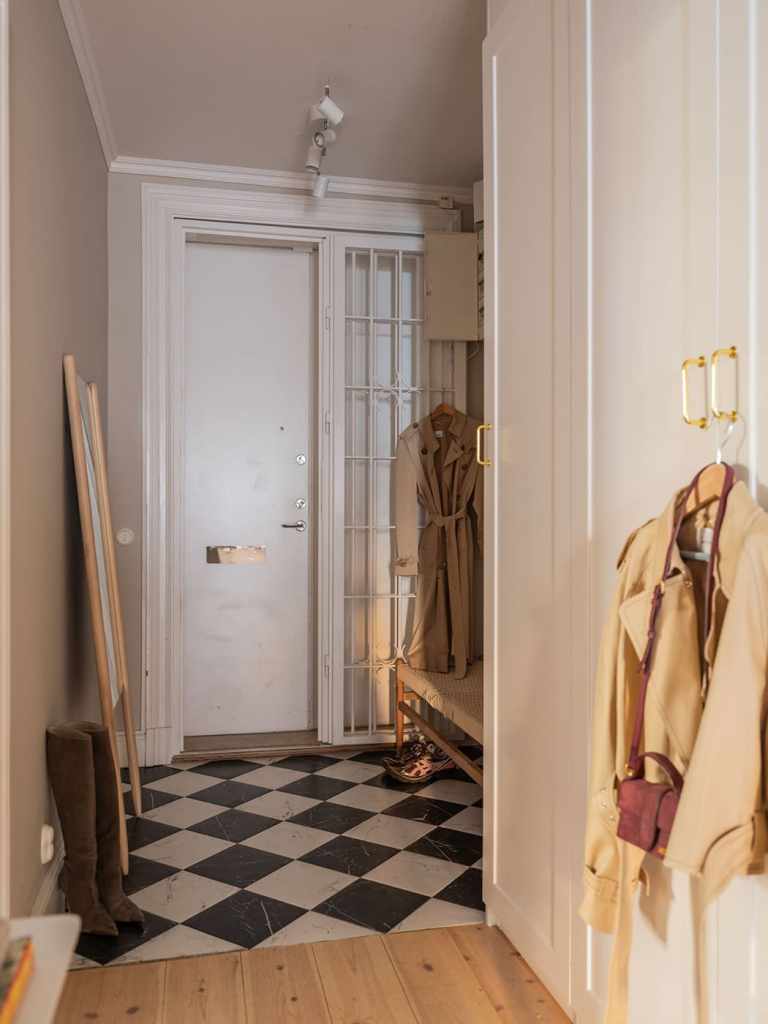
324,117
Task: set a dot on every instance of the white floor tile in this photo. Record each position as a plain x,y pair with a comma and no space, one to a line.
468,820
271,776
351,771
176,942
278,805
183,783
182,895
304,885
453,791
478,864
184,812
182,849
416,873
440,914
314,927
389,831
369,798
289,839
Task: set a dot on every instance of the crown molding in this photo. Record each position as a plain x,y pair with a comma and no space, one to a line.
288,180
81,46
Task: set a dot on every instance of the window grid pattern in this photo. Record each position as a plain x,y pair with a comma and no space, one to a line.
392,378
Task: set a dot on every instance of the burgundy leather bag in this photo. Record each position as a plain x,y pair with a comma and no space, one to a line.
647,809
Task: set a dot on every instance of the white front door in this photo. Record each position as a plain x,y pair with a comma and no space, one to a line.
249,366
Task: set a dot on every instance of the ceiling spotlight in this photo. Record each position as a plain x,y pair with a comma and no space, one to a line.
314,157
320,186
326,110
331,111
324,138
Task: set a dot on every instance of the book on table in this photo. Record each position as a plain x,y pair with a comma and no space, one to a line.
15,972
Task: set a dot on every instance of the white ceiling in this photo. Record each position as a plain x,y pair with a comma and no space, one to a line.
231,82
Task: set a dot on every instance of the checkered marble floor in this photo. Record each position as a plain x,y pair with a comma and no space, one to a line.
236,854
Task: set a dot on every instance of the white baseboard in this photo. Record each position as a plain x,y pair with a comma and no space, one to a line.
141,748
50,899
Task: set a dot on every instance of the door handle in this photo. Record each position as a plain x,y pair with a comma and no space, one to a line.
299,526
481,461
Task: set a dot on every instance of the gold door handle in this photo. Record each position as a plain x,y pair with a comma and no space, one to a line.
479,444
702,421
717,412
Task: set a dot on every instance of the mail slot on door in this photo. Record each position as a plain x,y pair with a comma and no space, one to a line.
235,554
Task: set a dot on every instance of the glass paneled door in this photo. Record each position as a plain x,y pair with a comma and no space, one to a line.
392,377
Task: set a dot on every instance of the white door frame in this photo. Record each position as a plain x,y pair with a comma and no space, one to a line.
5,474
169,214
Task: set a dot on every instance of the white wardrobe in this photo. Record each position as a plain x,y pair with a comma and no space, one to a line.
626,229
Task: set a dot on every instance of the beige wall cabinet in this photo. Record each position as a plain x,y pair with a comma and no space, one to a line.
451,304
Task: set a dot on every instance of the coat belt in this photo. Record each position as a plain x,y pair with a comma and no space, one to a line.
444,520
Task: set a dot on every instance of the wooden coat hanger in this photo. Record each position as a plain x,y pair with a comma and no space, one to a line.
442,415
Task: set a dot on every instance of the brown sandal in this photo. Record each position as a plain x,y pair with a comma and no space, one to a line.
420,769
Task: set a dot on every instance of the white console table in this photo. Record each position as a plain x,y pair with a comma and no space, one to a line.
54,938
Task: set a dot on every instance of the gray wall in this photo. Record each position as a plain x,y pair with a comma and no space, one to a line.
58,305
125,386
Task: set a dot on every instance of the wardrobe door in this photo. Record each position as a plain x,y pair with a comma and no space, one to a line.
678,99
531,788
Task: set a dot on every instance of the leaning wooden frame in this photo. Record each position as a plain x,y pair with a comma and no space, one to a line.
88,452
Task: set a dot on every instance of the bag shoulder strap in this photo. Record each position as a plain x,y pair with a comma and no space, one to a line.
634,763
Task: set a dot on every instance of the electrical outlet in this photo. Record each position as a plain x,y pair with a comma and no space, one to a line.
46,844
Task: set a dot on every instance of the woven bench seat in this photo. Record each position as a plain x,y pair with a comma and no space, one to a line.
458,700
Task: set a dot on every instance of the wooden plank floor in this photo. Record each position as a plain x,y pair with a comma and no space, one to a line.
468,975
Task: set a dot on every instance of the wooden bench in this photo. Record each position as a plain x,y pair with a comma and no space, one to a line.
458,700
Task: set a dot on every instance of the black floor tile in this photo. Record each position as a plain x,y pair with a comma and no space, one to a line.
374,756
150,798
233,825
371,905
319,787
350,856
143,872
450,844
306,762
104,949
245,918
333,817
239,865
159,771
225,769
143,831
466,890
419,808
230,793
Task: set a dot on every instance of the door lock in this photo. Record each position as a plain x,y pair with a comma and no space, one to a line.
301,459
299,526
301,503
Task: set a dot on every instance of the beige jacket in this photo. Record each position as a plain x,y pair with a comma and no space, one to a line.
720,827
442,475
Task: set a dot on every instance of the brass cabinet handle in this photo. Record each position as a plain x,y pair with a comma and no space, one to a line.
717,412
479,444
702,421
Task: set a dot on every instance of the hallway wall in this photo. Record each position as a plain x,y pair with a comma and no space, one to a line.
58,305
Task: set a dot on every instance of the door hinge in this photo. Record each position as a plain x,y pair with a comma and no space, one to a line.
328,317
327,421
326,666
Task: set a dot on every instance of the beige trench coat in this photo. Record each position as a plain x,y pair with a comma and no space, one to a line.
442,474
719,746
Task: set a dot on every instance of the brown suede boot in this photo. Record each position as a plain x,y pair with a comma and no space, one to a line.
109,875
70,770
